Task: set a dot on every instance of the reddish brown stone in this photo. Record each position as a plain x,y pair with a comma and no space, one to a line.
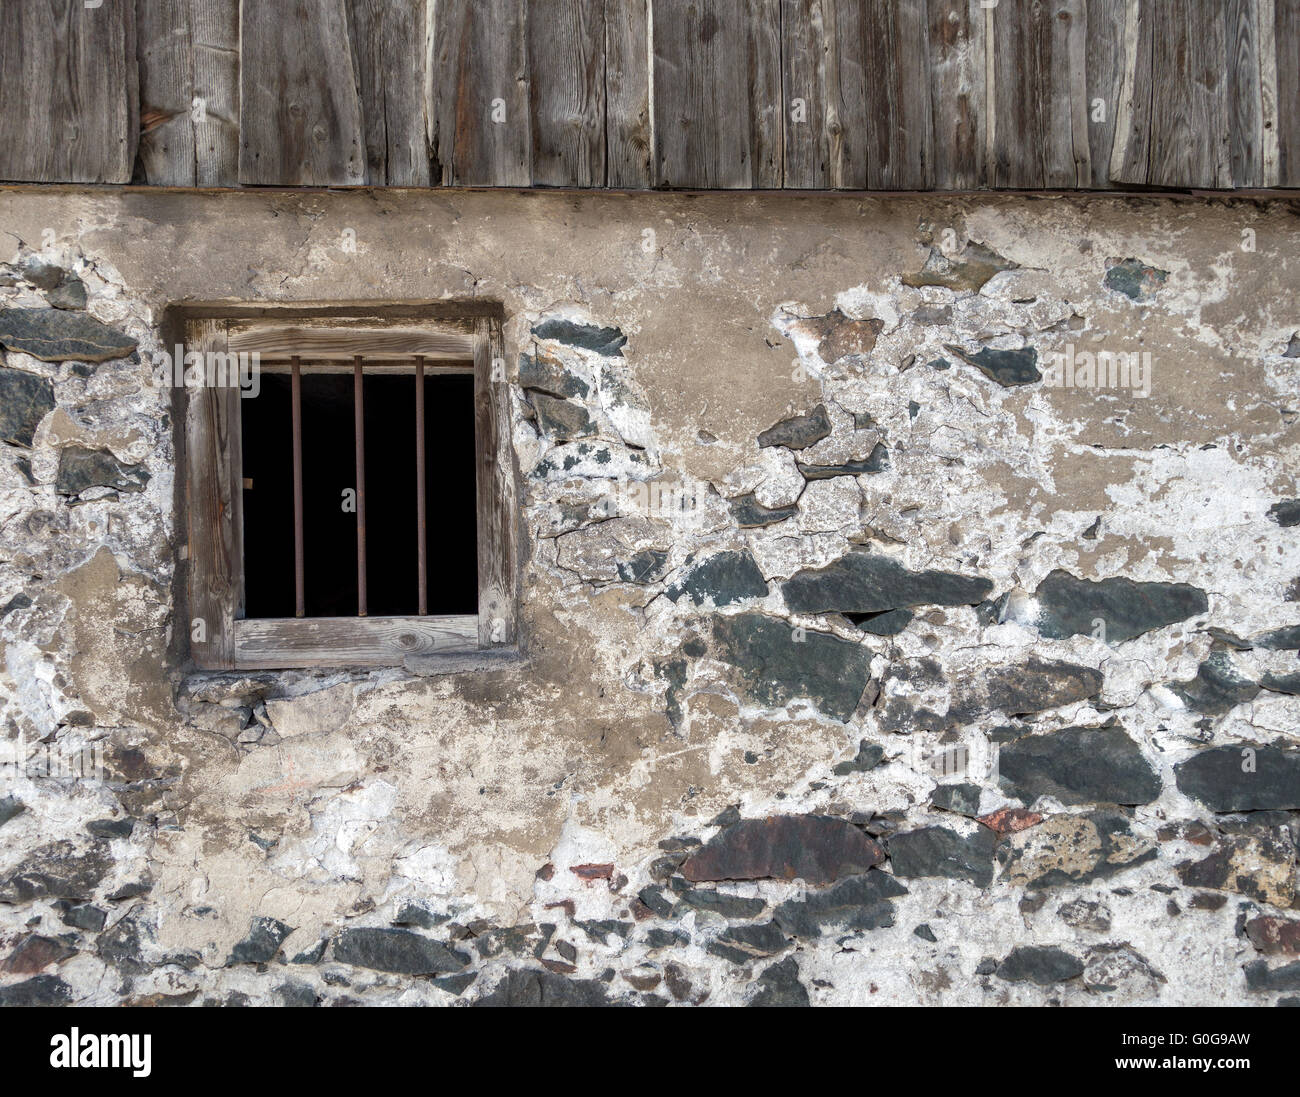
1274,936
1010,820
593,872
839,335
546,871
35,953
559,967
815,848
640,911
565,905
642,980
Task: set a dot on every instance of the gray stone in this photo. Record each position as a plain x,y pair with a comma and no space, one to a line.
1072,607
1257,861
265,935
400,951
1281,683
868,757
1279,639
778,664
646,566
54,335
297,995
1085,914
1043,966
10,806
939,851
43,990
1111,968
1007,367
715,902
653,897
547,374
1135,280
864,582
68,294
779,986
601,929
313,955
122,945
1217,688
111,828
968,271
607,342
56,871
1078,765
1038,686
963,799
81,915
856,904
1242,778
741,944
876,461
1285,512
417,914
889,623
561,420
25,399
80,469
749,513
924,932
1260,977
799,431
529,987
41,274
723,578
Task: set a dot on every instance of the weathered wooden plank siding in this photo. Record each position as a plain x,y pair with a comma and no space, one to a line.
299,108
632,94
566,71
717,93
69,96
189,92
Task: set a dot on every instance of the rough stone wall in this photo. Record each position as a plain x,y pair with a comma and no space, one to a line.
872,653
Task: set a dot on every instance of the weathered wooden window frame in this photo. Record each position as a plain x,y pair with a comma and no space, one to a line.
221,638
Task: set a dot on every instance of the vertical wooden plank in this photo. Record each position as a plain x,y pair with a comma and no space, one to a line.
212,462
1286,35
189,91
1190,145
628,137
69,92
388,40
478,94
299,111
957,90
1040,95
1132,143
1179,117
899,120
825,101
718,112
498,512
566,80
1105,83
1245,102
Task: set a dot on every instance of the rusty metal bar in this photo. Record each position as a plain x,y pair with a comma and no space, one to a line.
421,541
359,414
299,586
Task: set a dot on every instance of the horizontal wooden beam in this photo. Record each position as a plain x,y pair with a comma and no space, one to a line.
282,643
345,344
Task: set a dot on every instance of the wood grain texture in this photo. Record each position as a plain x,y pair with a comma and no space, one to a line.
825,95
1245,100
212,511
957,94
189,92
281,643
388,51
1286,35
718,111
479,107
343,343
299,108
629,140
1105,83
69,96
899,120
1040,95
566,87
498,510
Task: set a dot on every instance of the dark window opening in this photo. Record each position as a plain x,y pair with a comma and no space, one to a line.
329,478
